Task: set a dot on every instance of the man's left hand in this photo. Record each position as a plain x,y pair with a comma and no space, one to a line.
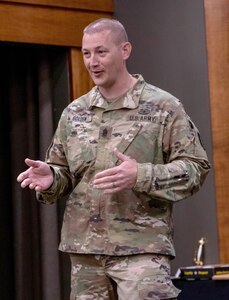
117,178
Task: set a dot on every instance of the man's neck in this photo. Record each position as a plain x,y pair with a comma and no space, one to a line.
121,88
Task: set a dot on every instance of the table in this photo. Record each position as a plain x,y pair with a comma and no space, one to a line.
202,289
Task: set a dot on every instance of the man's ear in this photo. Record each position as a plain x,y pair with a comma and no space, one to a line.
126,50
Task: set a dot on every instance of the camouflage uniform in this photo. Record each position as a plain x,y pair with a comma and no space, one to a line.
146,124
136,277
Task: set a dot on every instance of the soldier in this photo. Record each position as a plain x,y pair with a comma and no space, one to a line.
125,152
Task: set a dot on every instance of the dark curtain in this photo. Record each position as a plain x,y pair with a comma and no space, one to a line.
33,92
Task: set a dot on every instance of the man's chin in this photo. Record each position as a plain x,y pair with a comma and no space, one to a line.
99,83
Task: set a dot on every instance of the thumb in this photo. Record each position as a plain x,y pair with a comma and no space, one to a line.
121,156
31,163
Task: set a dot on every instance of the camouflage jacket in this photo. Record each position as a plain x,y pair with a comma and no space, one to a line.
147,124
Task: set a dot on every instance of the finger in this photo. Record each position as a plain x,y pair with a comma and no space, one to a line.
110,189
120,155
106,181
32,185
38,188
105,185
107,173
22,176
25,182
35,187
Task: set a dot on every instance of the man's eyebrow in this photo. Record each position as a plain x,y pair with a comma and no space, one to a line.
96,48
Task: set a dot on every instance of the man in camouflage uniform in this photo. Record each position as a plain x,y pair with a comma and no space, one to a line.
125,153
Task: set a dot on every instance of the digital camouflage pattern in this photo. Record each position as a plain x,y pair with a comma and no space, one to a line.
146,124
135,277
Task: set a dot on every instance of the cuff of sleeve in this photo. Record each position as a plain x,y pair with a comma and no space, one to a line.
47,195
144,177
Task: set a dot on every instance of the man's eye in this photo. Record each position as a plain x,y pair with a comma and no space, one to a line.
86,54
102,52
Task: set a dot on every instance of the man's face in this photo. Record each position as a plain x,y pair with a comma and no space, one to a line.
103,59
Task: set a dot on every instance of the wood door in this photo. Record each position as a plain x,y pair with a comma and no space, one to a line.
217,33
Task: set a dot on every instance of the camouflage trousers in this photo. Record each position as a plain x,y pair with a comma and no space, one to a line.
135,277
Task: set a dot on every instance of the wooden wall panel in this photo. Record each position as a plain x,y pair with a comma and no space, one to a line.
217,33
95,5
43,24
54,22
80,80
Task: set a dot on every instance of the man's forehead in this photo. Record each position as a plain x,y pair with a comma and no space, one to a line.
97,39
97,35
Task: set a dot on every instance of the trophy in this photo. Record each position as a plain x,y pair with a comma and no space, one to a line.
202,271
199,254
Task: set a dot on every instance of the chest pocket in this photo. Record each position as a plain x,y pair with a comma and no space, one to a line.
80,148
86,143
128,139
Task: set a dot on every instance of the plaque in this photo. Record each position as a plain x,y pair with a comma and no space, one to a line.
200,270
216,271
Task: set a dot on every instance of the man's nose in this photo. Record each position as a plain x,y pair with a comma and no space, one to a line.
93,60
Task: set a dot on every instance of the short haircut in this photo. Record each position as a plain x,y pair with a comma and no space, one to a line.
114,26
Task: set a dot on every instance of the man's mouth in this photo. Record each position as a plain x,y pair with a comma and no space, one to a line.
96,73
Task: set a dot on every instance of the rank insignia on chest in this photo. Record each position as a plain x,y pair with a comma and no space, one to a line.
105,132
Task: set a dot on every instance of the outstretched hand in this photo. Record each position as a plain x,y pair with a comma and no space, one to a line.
117,178
38,176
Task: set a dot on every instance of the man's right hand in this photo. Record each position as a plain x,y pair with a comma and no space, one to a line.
38,176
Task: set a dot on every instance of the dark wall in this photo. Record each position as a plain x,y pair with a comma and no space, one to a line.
169,50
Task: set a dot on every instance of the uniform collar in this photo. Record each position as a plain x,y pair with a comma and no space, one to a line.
128,100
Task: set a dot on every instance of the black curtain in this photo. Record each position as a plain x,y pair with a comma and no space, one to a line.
33,92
